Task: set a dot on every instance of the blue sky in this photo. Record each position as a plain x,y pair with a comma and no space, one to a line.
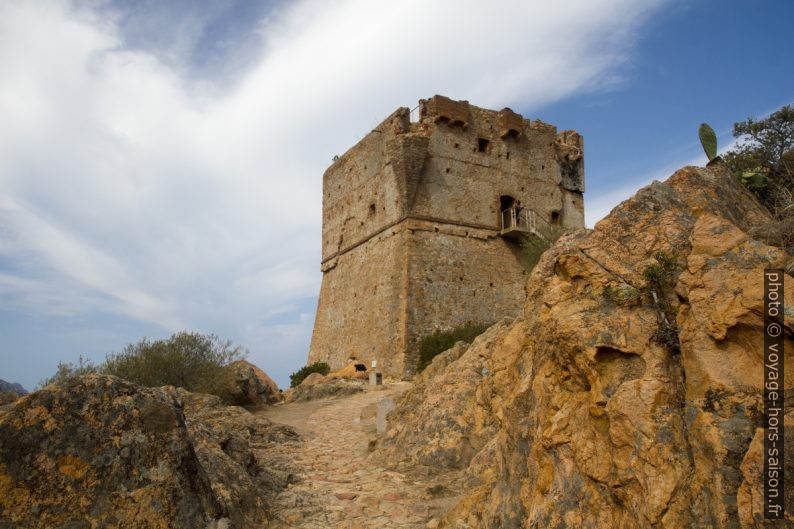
161,162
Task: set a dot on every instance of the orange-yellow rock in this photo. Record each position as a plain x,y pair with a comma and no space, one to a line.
253,387
614,411
313,378
350,371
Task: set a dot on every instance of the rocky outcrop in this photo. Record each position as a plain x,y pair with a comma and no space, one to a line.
101,452
323,389
614,401
351,371
453,409
313,378
253,387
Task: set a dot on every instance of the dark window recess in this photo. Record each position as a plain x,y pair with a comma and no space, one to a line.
555,217
507,218
507,155
360,367
372,209
505,202
482,145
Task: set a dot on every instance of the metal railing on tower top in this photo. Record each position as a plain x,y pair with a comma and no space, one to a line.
416,113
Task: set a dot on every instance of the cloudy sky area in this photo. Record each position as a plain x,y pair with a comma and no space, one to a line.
161,162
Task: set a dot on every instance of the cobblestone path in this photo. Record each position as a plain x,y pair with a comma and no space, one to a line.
337,487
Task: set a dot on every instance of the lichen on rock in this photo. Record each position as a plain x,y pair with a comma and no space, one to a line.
101,452
252,386
578,415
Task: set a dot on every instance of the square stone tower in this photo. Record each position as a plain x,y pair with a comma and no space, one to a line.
422,227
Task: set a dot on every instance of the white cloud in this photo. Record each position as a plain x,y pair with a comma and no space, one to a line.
174,205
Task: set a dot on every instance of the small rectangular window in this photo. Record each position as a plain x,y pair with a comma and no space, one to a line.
482,145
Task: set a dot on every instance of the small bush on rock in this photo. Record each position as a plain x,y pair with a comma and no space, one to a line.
68,371
318,367
624,295
197,362
763,159
660,278
533,247
434,344
6,397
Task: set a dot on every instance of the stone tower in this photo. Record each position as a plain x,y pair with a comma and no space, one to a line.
420,222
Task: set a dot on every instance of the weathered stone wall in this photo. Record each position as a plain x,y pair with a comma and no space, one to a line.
458,275
411,220
361,309
464,178
572,209
364,190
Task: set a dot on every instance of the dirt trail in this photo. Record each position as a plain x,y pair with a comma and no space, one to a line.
337,487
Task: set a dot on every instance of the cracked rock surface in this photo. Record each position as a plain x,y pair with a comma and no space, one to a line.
102,452
578,414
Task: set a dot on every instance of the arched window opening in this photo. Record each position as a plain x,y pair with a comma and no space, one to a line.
508,208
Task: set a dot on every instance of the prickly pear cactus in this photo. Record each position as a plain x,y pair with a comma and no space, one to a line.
708,140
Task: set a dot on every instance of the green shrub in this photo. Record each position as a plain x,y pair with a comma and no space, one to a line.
7,397
666,334
657,291
763,159
438,342
532,246
625,295
318,367
196,362
68,371
660,277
